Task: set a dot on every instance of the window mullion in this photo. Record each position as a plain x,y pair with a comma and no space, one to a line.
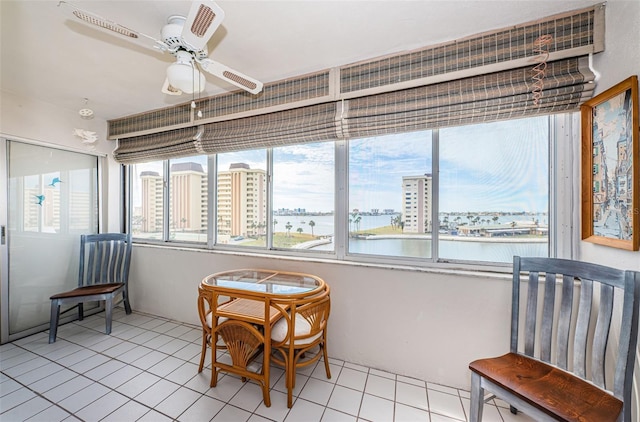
341,213
165,201
435,193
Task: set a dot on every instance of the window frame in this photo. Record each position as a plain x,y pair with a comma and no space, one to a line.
563,126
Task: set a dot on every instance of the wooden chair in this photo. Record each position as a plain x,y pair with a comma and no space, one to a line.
294,337
564,369
103,275
205,305
244,325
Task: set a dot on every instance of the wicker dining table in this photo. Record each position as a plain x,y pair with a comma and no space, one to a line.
250,298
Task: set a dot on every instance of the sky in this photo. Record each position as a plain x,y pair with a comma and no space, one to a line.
500,166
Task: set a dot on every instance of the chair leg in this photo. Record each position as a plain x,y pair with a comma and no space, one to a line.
326,359
477,398
80,312
125,299
53,321
204,351
108,304
513,410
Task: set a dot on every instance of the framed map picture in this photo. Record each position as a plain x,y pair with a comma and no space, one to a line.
610,169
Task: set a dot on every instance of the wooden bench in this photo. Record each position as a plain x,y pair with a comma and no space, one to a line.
563,376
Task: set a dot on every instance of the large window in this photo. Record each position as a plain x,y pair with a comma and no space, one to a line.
494,191
391,195
476,193
303,197
242,198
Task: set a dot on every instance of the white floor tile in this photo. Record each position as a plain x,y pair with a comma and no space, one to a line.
120,376
50,414
231,413
66,389
15,399
82,398
381,387
102,407
159,391
138,384
446,404
179,401
405,413
376,409
52,381
248,398
317,391
412,395
345,400
203,409
305,411
331,415
352,378
129,411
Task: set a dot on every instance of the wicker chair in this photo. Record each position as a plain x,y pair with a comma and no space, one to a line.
557,386
294,337
246,326
205,301
103,275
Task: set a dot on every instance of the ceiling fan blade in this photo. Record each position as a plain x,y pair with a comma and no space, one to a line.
111,27
233,77
170,90
204,18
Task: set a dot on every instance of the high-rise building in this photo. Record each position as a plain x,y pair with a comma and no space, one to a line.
242,204
416,203
242,201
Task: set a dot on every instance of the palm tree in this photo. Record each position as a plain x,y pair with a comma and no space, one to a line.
357,222
312,225
288,226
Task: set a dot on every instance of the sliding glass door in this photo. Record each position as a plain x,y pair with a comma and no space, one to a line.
52,198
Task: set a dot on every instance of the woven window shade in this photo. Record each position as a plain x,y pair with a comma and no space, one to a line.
157,146
482,78
299,125
484,98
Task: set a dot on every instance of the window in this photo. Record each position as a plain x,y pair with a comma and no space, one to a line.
390,198
147,200
303,197
475,193
494,190
242,198
188,199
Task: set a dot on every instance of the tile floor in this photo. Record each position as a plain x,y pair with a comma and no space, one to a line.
147,370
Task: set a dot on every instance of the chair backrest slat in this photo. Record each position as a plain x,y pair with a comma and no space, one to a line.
548,312
104,258
582,329
564,322
531,317
601,335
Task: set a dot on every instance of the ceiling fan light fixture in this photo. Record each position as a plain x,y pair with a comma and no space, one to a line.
186,78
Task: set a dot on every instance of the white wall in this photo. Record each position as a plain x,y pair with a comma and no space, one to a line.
620,60
422,324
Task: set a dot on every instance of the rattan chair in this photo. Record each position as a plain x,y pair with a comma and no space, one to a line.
205,301
243,341
558,370
300,338
103,275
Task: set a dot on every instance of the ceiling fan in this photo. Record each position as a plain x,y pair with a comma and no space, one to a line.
183,37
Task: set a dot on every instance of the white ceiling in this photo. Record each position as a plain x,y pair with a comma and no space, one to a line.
48,57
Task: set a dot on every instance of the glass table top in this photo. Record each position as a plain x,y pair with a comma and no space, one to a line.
271,282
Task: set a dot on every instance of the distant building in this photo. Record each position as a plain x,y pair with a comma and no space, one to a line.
242,200
242,204
416,203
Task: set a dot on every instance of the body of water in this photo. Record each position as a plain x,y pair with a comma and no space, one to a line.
501,250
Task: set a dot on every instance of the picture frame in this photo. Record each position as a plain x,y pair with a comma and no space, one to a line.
611,168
